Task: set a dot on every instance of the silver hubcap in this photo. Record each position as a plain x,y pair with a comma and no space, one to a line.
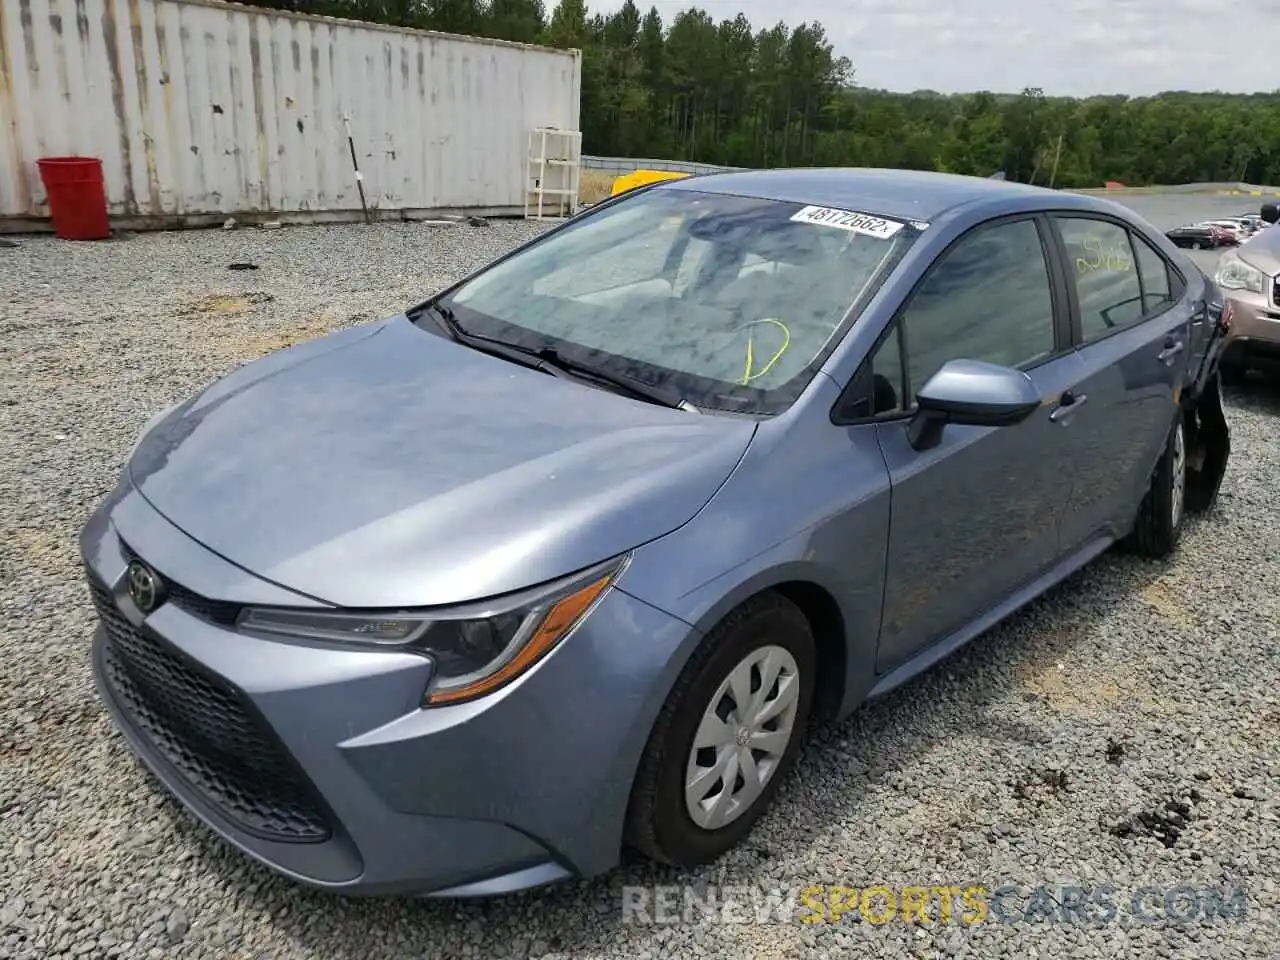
1179,468
743,735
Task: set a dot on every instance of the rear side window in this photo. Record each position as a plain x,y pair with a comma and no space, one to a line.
1106,276
1157,290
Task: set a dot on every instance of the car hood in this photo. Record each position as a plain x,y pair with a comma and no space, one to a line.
385,466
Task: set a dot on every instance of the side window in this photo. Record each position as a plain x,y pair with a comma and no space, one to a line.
887,392
878,388
1156,288
988,298
1105,276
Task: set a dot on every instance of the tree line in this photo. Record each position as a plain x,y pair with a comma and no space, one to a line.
727,93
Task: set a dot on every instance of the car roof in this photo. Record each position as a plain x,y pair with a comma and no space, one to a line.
903,194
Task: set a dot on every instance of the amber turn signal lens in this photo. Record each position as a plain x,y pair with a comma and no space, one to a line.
563,616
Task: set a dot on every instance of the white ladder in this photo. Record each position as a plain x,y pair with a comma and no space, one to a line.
554,172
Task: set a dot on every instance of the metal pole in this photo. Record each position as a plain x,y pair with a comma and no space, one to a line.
355,164
1056,157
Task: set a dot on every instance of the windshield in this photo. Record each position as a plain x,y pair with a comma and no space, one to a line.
731,302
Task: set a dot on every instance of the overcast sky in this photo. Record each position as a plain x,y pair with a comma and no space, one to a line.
1068,47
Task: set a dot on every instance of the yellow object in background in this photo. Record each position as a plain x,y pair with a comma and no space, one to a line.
638,178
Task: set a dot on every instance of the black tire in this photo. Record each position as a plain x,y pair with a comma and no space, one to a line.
1195,244
658,822
1156,531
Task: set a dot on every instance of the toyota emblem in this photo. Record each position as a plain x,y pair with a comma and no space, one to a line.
144,587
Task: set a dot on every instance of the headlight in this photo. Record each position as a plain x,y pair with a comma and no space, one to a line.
1237,275
476,650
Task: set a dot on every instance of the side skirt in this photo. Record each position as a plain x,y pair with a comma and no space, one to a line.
949,644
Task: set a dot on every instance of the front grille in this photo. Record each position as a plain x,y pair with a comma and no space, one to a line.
217,611
1275,292
208,733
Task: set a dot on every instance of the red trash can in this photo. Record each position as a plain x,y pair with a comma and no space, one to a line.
77,197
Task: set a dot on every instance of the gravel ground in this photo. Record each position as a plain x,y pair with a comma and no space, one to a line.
1137,701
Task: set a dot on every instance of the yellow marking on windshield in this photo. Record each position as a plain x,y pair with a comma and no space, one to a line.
747,375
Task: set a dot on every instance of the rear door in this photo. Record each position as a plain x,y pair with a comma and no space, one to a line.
1132,328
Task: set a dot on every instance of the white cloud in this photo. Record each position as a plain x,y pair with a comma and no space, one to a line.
1070,47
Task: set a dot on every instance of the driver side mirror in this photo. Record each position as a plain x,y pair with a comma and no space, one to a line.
972,393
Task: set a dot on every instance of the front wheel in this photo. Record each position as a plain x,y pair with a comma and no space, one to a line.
1159,523
727,736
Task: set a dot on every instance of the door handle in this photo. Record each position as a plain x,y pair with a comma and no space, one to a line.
1171,349
1067,406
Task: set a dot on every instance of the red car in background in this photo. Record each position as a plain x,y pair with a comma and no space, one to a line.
1222,236
1237,231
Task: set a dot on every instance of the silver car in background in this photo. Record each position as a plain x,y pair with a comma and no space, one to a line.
1250,278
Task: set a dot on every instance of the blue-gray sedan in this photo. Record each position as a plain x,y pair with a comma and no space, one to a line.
566,558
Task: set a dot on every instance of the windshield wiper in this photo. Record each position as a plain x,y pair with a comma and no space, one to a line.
633,385
447,322
549,361
497,348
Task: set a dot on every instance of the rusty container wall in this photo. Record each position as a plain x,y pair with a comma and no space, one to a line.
200,109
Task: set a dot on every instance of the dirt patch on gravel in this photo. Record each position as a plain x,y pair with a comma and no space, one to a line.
41,550
221,303
1164,600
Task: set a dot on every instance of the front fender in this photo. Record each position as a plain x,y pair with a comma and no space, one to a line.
857,598
808,504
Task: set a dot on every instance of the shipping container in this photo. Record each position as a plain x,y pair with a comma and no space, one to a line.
201,110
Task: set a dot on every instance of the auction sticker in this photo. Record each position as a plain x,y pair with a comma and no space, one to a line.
863,223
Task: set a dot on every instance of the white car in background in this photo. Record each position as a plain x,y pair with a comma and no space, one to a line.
1254,222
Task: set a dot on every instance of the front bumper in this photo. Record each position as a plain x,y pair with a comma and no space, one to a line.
319,763
1255,331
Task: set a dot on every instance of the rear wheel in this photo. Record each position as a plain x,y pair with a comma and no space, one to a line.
727,736
1195,244
1159,523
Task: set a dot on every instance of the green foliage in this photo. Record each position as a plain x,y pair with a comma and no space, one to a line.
726,93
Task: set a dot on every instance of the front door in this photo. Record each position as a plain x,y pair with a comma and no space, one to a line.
976,516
